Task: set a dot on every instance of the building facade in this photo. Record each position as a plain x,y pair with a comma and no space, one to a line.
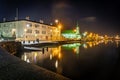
26,30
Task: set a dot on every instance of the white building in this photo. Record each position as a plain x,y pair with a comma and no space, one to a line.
26,30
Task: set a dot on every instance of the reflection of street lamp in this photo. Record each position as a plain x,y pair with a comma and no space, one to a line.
59,26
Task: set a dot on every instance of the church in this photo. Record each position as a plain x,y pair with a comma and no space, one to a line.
72,34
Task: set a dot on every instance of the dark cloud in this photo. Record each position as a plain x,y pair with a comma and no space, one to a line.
88,19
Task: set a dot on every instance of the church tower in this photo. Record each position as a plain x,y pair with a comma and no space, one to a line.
77,29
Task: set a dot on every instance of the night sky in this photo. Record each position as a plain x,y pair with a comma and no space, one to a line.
100,16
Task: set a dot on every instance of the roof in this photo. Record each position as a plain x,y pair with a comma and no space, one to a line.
68,32
26,20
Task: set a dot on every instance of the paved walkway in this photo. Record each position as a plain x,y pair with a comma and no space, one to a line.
12,68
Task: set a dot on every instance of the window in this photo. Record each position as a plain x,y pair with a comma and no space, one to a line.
36,25
43,26
14,24
5,25
43,32
37,31
28,25
29,31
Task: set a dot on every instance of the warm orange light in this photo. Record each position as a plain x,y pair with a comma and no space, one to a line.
25,30
56,21
60,26
59,56
74,50
74,30
35,35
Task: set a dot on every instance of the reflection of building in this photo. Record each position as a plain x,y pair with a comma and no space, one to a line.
49,55
34,57
72,34
28,30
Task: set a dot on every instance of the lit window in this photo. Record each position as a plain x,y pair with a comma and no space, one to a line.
43,32
37,31
28,25
36,25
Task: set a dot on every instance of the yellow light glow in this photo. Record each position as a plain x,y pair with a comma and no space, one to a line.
25,57
56,21
35,35
56,63
74,30
74,50
59,56
13,30
25,30
28,61
60,26
50,56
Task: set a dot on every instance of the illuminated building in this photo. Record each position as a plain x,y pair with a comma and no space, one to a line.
27,30
72,34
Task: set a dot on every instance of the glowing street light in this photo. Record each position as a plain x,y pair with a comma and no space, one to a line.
59,26
56,21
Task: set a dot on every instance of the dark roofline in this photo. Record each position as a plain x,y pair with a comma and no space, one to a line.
27,20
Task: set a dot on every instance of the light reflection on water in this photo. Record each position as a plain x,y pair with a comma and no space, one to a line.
61,59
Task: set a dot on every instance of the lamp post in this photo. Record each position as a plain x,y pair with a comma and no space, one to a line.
59,26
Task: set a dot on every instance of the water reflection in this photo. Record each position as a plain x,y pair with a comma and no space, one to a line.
35,56
53,58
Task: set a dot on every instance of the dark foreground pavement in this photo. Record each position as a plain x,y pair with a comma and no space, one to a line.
12,68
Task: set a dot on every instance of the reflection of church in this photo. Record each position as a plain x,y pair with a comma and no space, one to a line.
74,47
72,34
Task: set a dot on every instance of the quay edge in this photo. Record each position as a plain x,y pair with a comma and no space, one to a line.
12,68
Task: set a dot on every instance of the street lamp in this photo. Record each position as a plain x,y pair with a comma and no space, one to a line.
56,21
59,26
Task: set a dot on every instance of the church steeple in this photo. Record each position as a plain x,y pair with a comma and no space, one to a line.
77,28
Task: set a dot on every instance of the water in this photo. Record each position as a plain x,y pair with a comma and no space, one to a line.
79,61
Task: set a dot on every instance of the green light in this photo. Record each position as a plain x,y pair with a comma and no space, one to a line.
71,46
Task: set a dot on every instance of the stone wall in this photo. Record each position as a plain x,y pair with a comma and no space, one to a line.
11,46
